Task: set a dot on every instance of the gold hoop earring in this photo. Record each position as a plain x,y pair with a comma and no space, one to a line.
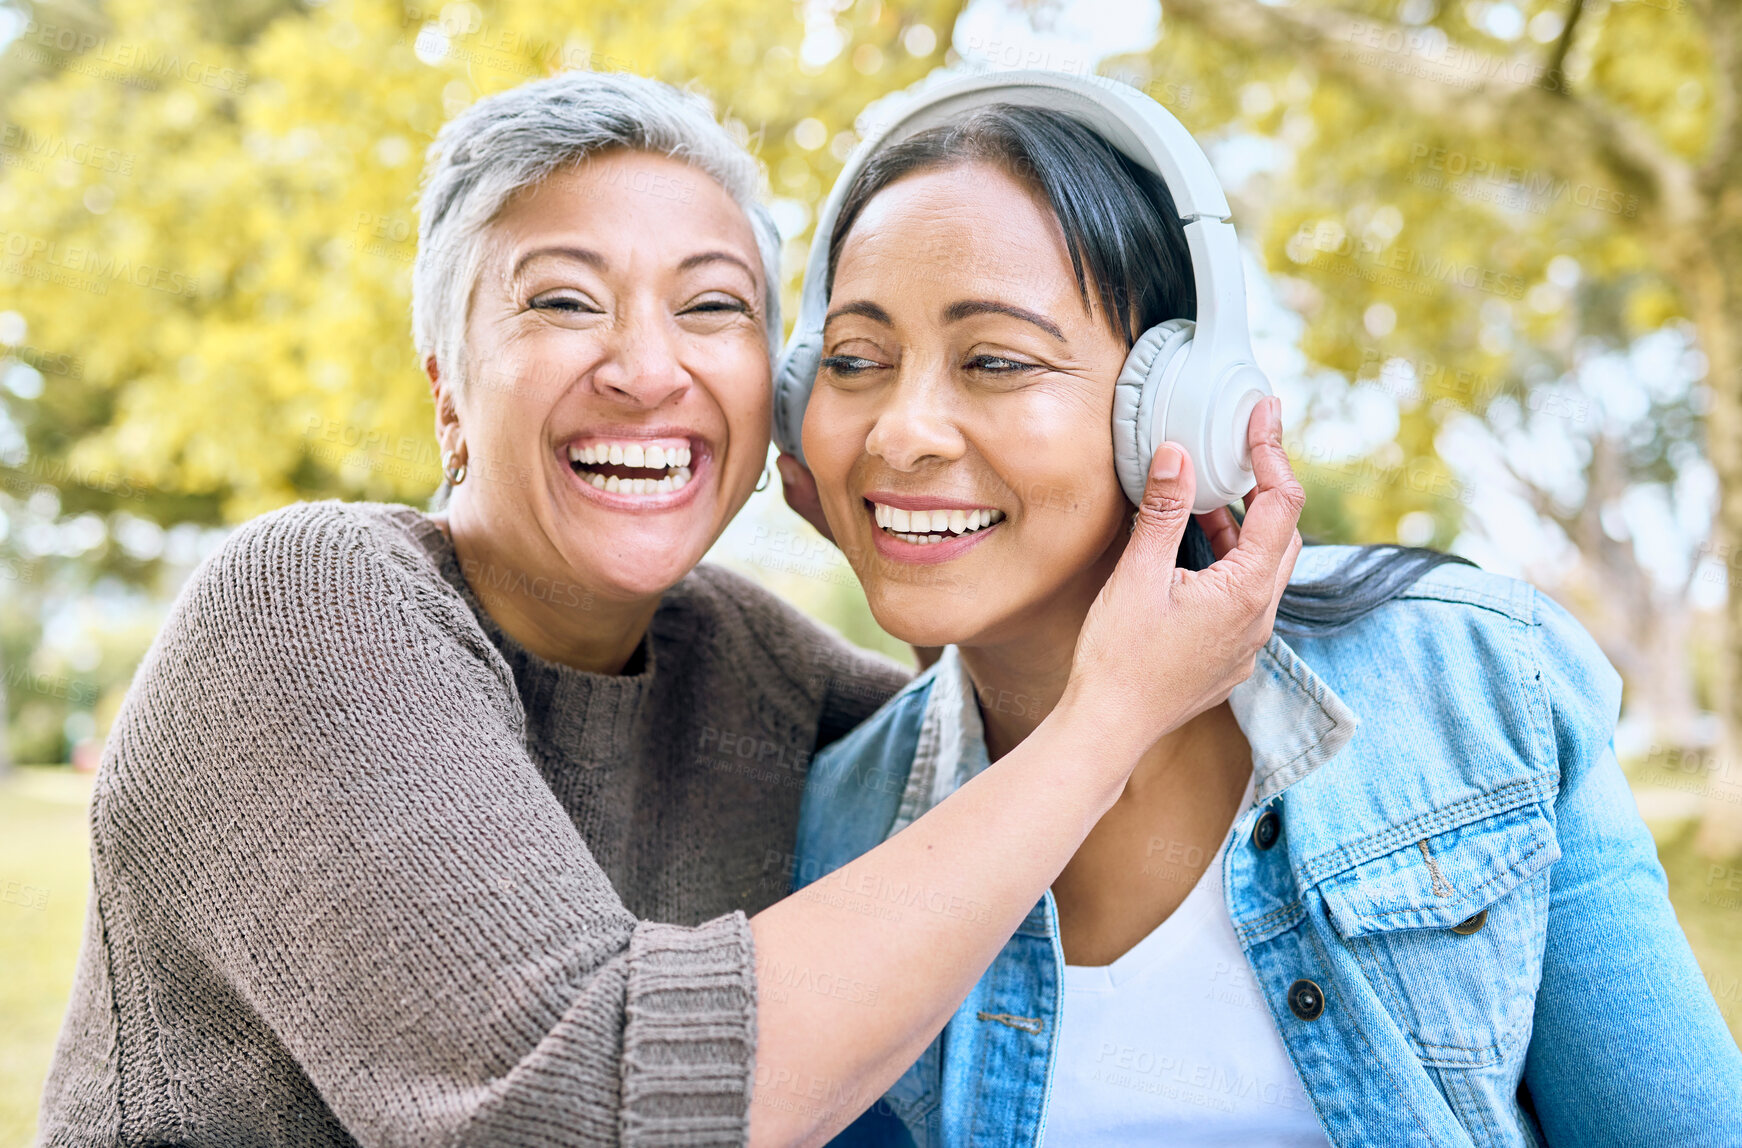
449,472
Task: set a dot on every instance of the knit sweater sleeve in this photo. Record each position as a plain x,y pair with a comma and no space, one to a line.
318,797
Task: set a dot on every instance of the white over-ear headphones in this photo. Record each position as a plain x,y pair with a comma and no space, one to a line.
1191,384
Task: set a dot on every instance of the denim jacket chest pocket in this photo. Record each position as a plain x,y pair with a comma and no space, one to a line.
1450,929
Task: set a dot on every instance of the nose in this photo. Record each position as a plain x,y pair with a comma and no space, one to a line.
916,426
641,364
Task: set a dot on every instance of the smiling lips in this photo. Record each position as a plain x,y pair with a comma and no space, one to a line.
921,526
635,467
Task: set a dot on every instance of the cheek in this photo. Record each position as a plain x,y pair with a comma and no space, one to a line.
739,384
832,444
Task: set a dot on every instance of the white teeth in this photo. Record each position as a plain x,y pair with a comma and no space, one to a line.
682,478
615,458
663,486
613,484
655,458
597,480
633,455
924,527
683,456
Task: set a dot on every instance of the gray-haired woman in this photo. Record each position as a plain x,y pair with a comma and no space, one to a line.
434,830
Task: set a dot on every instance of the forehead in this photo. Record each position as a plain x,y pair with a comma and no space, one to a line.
967,228
628,201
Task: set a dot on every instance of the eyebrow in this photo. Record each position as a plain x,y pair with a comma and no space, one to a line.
869,311
599,263
581,254
705,257
954,313
968,308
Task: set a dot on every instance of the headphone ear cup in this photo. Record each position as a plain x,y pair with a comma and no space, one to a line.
1157,351
793,379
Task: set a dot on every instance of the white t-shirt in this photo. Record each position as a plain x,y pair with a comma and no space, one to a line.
1173,1043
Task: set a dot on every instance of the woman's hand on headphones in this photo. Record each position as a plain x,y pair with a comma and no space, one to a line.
800,489
1162,644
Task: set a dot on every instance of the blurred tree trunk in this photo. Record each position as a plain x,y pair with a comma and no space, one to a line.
1690,209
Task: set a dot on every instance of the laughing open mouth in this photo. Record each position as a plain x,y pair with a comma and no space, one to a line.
632,467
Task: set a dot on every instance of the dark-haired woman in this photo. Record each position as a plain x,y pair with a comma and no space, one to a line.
1393,891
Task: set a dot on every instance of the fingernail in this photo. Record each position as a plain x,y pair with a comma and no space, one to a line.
785,467
1166,464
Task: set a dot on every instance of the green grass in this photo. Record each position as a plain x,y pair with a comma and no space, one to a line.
43,857
1708,900
45,877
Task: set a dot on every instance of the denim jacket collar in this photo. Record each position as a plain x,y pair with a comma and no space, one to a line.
1291,718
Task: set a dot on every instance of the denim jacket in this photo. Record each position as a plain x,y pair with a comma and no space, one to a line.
1443,890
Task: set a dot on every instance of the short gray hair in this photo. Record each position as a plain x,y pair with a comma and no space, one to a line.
515,139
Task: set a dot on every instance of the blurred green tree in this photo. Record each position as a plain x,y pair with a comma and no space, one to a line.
1472,197
207,229
215,214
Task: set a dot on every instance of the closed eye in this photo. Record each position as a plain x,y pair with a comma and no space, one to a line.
566,302
999,365
848,365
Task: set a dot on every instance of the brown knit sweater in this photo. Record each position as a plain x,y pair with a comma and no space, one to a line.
368,872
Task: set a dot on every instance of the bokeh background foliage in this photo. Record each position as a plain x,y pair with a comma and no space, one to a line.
1496,248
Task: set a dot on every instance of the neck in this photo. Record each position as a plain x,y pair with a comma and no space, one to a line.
1018,683
553,618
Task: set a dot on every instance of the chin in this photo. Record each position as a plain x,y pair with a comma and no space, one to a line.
636,563
941,615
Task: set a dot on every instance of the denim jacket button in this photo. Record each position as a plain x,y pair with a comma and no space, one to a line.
1268,829
1471,924
1306,1000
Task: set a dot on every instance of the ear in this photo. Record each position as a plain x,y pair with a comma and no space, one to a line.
447,417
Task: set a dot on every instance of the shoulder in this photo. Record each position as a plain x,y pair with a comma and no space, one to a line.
854,789
313,542
1454,583
755,623
305,537
1463,639
885,741
318,579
